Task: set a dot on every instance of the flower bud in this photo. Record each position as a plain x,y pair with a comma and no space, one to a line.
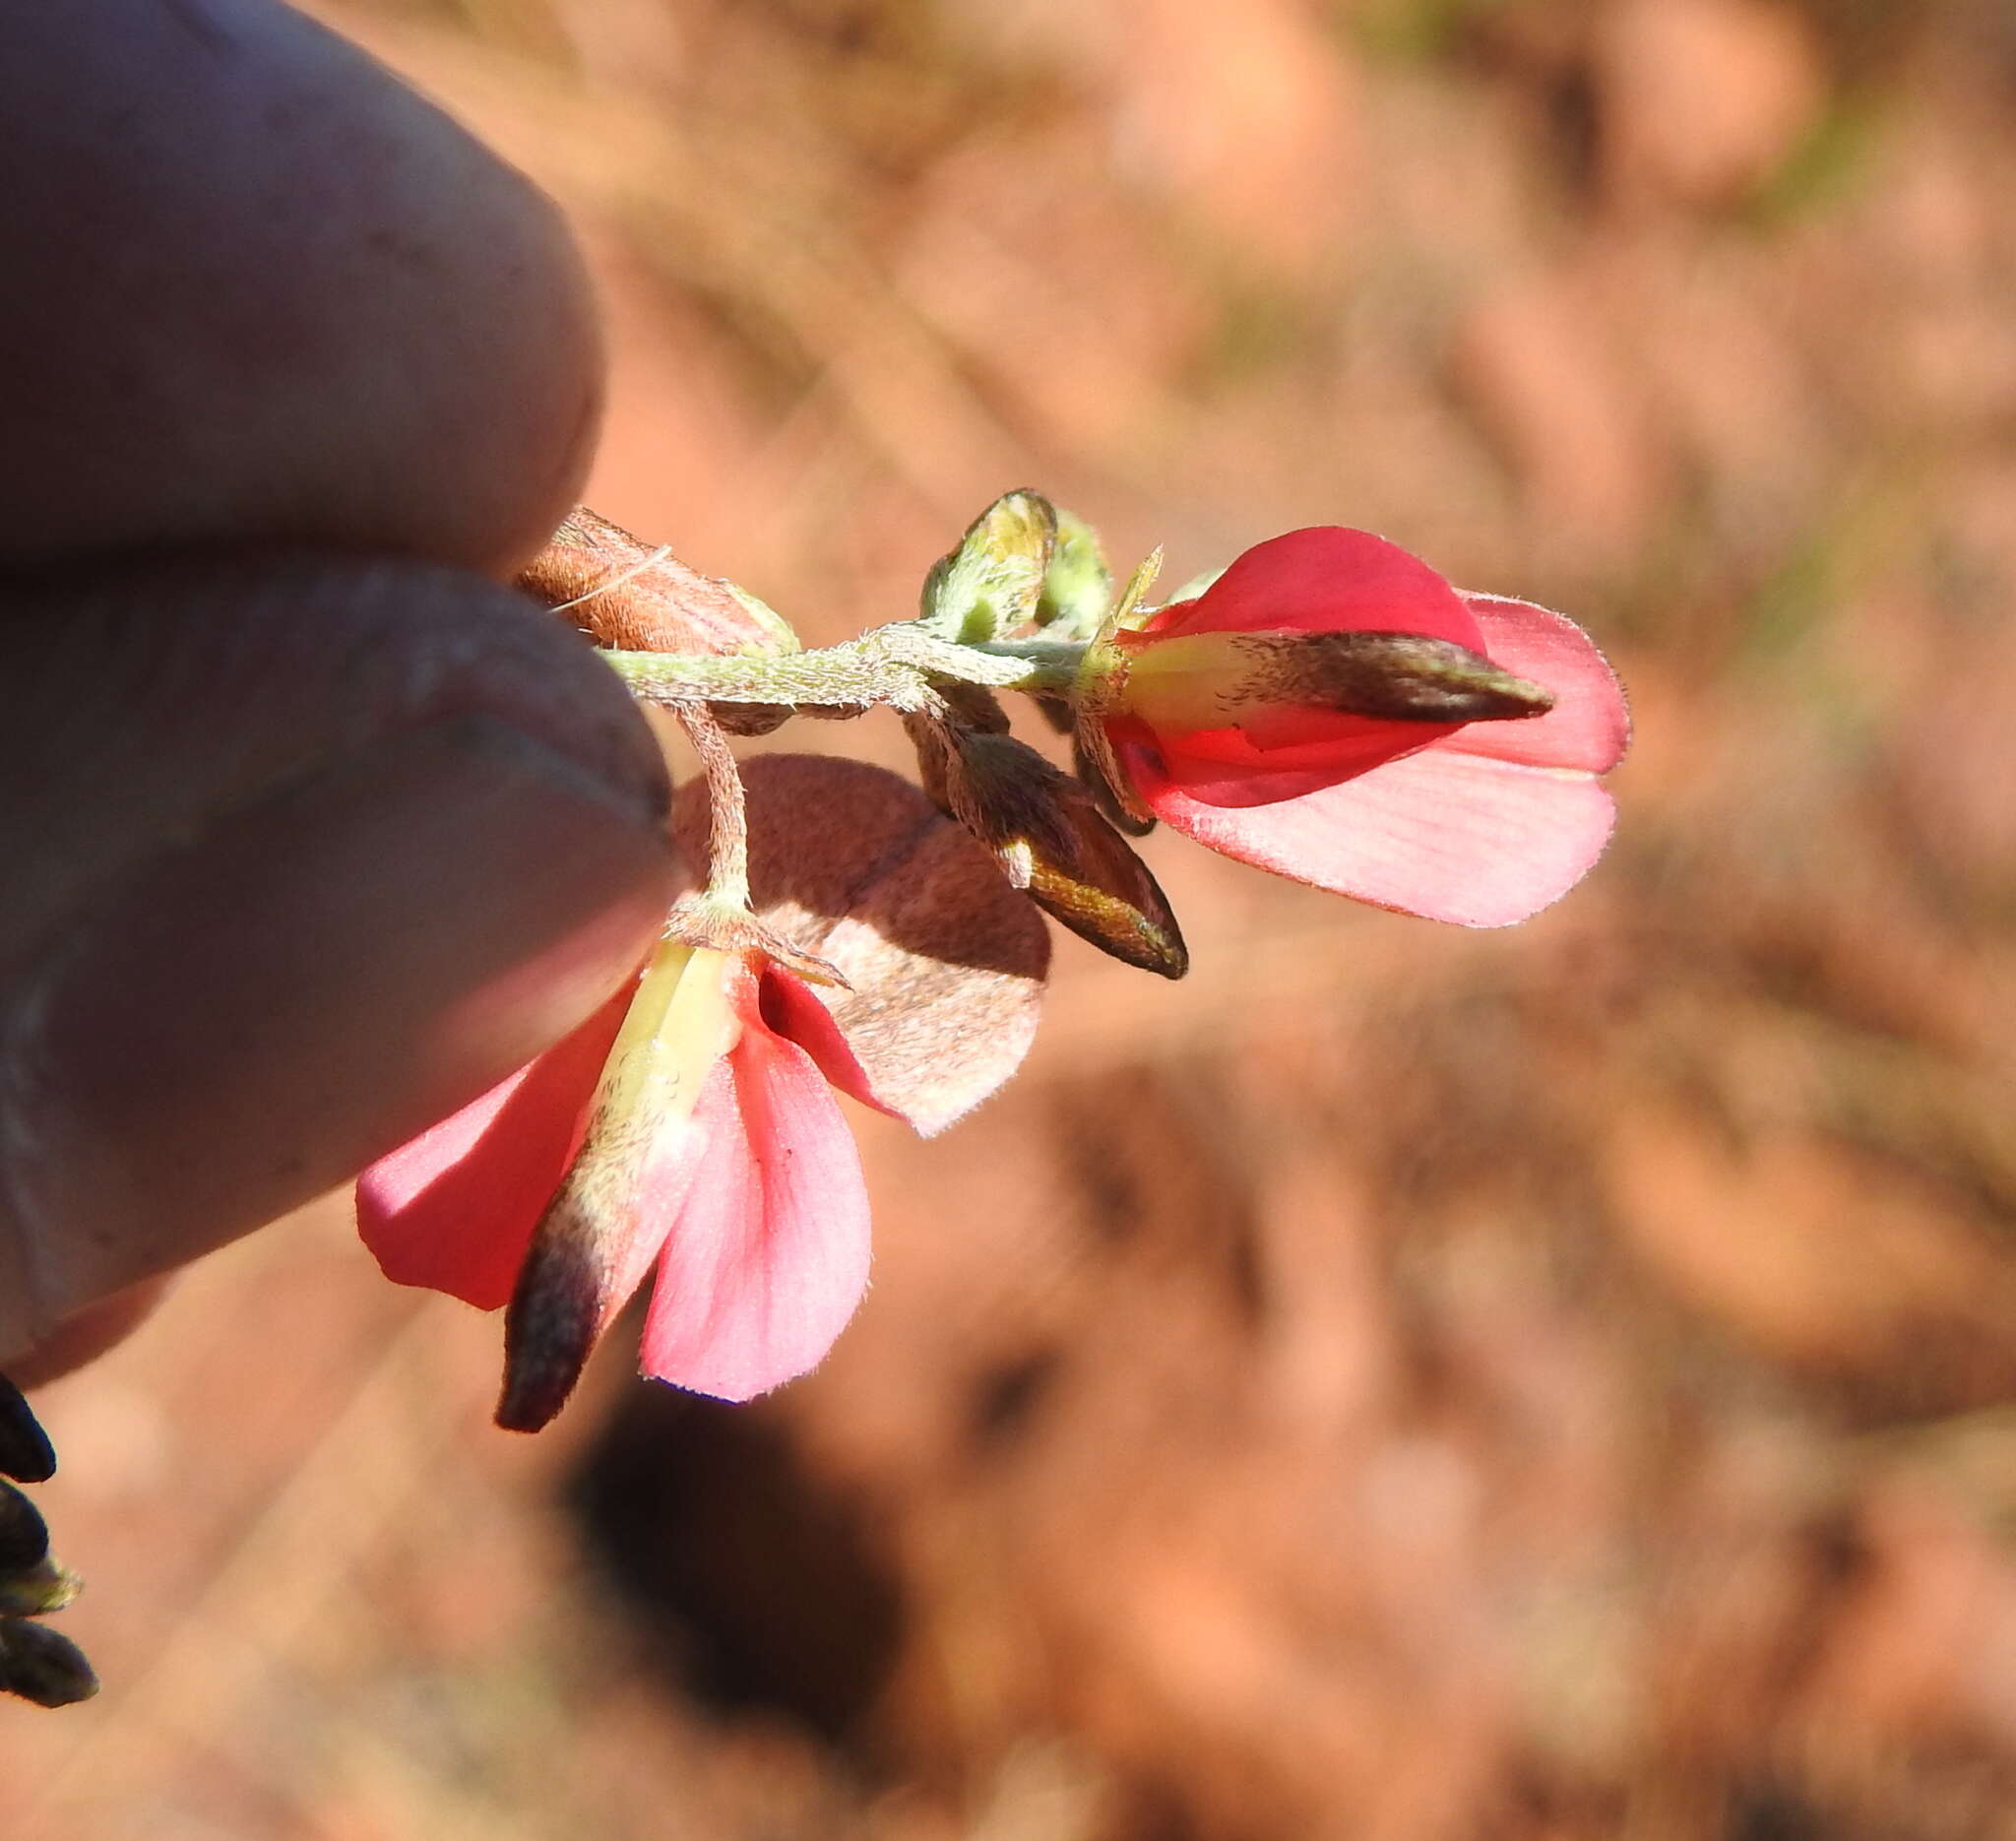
1051,840
991,582
42,1665
23,1535
1078,587
24,1450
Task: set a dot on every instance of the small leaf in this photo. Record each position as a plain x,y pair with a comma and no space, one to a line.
991,582
946,962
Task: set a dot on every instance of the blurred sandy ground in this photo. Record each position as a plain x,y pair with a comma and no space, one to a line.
1397,1385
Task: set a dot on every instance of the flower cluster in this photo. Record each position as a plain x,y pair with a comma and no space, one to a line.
1326,708
37,1663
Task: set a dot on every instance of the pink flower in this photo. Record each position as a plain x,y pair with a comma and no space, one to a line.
1480,822
691,1125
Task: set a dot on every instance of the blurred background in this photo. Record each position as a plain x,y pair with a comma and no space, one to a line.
1399,1385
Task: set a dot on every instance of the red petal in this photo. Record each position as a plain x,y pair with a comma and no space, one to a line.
454,1209
1222,766
769,1256
1452,836
1326,579
1588,726
790,1010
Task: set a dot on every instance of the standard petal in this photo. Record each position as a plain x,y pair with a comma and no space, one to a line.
1588,728
454,1209
769,1256
1326,579
1465,837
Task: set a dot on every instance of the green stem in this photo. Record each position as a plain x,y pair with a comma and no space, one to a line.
893,665
1042,666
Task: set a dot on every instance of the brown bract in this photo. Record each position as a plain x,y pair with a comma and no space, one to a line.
946,961
637,597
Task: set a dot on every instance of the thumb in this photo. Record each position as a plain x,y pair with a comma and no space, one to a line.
304,854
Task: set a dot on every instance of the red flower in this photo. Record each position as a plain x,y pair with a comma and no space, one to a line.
1480,822
690,1125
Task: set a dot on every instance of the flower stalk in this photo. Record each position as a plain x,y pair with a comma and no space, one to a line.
892,666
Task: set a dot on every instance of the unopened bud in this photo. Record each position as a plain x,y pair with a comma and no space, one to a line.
1200,681
26,1453
42,1665
1078,587
991,585
1051,840
23,1535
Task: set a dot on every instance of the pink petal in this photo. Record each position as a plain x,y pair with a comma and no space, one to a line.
454,1209
1326,579
1448,835
769,1256
1588,728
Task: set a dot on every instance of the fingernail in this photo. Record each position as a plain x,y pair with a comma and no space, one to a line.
259,1013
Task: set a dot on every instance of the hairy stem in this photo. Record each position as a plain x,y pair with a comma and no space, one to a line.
728,813
893,665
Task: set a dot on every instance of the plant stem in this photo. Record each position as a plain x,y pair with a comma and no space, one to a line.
893,665
727,815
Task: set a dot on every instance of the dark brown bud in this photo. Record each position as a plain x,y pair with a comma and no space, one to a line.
1051,840
42,1665
26,1453
23,1535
